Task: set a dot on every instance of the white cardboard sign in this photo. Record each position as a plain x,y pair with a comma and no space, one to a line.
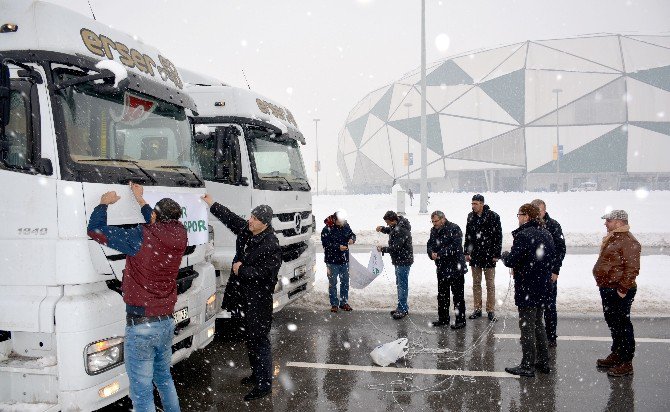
194,214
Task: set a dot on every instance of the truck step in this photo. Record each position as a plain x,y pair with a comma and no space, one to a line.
23,364
32,407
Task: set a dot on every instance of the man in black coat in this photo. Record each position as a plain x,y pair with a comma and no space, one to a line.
483,244
445,248
402,256
532,261
336,237
251,285
550,315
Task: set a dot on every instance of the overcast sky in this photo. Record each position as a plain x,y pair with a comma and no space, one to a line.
320,57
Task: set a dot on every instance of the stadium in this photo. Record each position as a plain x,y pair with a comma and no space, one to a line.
563,114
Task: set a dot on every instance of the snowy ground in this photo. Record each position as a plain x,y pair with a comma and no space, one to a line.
577,292
578,212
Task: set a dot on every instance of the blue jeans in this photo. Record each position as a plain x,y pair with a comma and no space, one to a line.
148,350
402,282
343,272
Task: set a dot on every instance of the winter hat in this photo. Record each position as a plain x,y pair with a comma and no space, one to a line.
263,213
167,209
478,198
616,215
330,220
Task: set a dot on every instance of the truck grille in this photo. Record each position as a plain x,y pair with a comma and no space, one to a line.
288,217
291,232
292,251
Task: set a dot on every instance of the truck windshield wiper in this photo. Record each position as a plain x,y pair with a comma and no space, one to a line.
279,177
133,162
177,167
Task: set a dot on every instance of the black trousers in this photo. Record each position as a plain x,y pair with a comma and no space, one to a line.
258,322
533,337
455,283
550,315
617,316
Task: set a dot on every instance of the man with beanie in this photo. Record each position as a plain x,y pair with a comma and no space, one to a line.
251,285
402,256
483,244
153,254
615,271
550,315
336,237
532,261
445,247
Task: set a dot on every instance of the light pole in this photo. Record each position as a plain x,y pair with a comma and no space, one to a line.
424,147
558,145
318,165
408,105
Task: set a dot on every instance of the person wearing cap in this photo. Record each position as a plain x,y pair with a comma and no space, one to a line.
483,244
550,315
336,237
402,256
251,286
153,255
615,271
532,262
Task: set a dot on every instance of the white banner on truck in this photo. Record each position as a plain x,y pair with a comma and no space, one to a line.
194,213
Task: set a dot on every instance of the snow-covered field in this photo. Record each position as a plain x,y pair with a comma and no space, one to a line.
578,212
577,292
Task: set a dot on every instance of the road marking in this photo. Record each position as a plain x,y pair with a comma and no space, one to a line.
410,371
586,338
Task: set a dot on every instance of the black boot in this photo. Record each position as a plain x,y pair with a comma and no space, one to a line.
249,380
458,325
439,323
476,314
543,368
521,370
257,393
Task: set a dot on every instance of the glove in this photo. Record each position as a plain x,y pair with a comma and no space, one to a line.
504,256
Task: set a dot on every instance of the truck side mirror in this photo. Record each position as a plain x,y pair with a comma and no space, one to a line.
44,167
4,96
244,181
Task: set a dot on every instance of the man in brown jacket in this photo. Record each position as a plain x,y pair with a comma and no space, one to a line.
615,271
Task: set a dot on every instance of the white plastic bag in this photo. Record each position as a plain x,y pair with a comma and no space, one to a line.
376,263
388,353
359,275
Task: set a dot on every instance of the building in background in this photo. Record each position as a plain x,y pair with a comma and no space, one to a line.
539,115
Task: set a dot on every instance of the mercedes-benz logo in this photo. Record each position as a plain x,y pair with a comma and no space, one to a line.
297,220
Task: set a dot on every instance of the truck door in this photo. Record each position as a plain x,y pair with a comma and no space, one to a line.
219,150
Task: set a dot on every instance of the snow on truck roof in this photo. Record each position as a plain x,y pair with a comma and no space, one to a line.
216,99
47,27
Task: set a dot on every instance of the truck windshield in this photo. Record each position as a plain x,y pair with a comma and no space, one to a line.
277,163
123,129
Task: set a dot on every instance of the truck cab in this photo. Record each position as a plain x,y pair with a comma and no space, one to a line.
249,153
85,110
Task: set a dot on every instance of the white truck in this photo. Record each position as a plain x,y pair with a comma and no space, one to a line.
72,128
249,153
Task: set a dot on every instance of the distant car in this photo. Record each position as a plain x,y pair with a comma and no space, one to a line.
585,187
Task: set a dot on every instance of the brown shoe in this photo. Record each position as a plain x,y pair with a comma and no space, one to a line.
346,307
333,309
623,369
610,361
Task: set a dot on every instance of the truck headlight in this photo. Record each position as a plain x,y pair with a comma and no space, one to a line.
103,355
211,308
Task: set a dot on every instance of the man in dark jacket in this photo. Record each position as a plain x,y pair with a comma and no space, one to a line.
483,244
532,261
550,315
251,285
402,256
336,237
445,247
153,254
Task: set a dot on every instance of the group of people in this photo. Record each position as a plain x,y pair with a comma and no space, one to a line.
535,261
154,252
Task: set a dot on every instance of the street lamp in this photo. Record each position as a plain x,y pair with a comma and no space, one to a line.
424,147
316,140
558,144
408,105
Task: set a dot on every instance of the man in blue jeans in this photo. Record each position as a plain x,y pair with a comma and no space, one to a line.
336,237
153,254
402,256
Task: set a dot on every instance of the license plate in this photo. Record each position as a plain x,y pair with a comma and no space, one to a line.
180,315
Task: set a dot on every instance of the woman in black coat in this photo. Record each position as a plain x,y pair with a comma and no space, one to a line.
532,262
